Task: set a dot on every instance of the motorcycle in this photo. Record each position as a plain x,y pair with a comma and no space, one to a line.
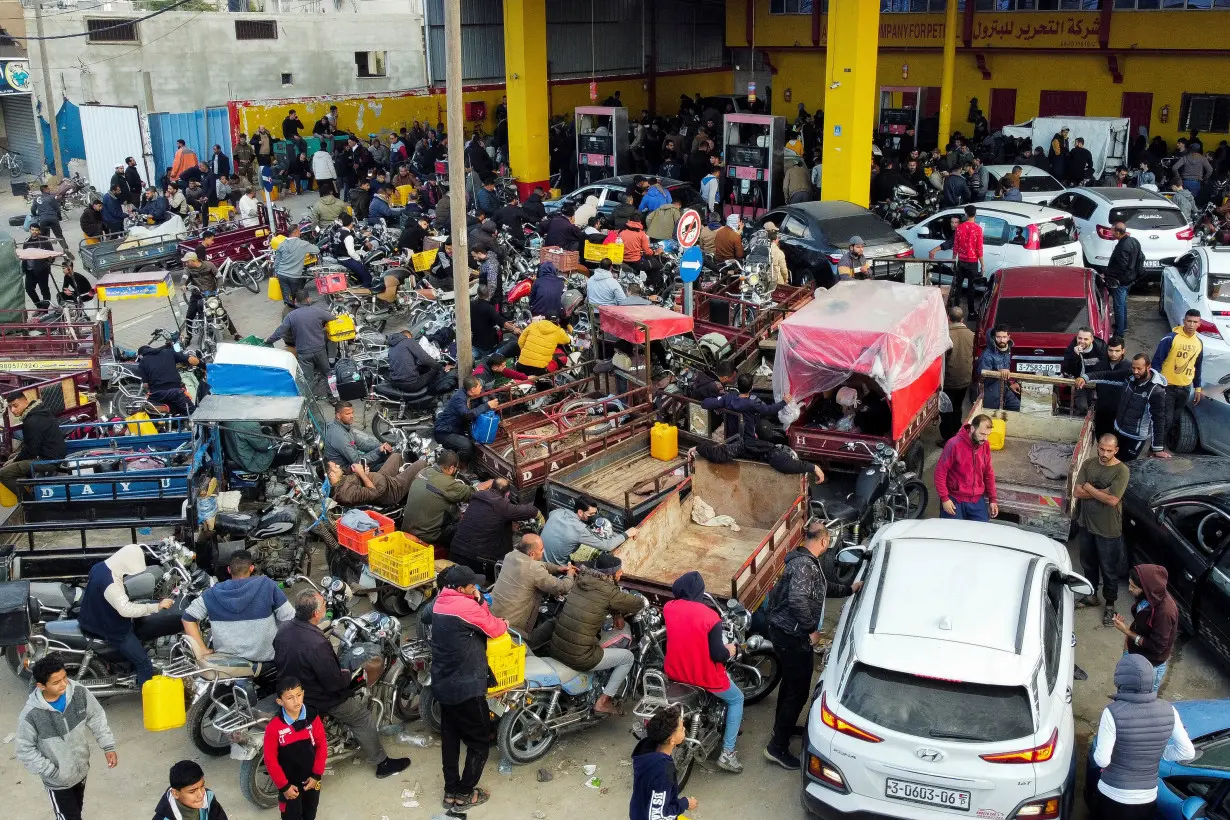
885,491
704,719
214,694
276,535
908,206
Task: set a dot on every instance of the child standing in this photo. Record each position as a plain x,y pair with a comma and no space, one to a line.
188,799
654,791
295,752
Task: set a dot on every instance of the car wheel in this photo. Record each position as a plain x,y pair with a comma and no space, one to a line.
1183,437
1161,299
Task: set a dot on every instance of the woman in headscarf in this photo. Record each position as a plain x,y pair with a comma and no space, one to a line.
107,611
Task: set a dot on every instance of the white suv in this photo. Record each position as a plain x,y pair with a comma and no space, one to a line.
948,687
1155,221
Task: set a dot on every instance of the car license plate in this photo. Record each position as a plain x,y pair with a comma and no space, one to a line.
1038,367
931,795
1153,263
1066,259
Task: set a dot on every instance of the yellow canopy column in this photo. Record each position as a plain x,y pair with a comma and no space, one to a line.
850,99
525,69
948,77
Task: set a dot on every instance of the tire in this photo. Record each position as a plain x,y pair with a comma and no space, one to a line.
256,785
202,714
408,699
1161,300
911,502
684,762
1184,437
15,656
770,668
914,458
15,169
249,276
392,601
429,710
516,737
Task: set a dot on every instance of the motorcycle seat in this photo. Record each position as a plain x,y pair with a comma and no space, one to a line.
390,391
70,633
219,665
677,692
359,291
835,508
548,671
165,409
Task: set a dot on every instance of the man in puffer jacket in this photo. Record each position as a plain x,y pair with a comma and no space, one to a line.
1141,416
52,740
1137,731
538,343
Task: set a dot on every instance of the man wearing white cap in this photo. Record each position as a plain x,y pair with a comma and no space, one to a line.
728,244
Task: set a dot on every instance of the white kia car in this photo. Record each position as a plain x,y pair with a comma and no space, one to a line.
948,686
1200,280
1153,219
1037,186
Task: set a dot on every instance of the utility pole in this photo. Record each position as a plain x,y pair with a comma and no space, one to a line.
49,101
457,185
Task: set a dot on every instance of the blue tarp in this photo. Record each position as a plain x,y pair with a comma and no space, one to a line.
72,143
250,380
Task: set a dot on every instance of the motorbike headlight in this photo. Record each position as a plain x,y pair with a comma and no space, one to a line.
213,303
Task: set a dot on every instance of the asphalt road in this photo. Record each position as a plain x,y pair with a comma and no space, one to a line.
351,792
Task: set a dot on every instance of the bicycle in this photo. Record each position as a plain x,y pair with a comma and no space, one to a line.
12,161
566,417
245,273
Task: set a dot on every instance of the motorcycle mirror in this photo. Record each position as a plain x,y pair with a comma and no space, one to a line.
851,555
731,603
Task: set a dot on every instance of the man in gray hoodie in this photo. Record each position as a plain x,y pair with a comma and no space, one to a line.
288,262
51,735
566,530
244,613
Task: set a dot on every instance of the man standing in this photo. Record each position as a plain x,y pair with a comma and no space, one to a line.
853,264
964,477
113,209
484,534
1058,155
37,272
51,735
346,445
967,246
245,159
1178,358
1080,163
958,371
795,613
302,651
1155,619
292,125
219,164
1126,265
728,243
1141,414
288,260
998,357
525,578
132,176
307,326
461,624
1100,486
1109,381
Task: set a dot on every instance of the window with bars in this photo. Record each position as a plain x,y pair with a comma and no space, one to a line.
1205,112
796,6
371,63
256,30
111,30
1155,5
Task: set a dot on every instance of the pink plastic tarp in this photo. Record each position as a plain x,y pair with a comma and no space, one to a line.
621,322
888,331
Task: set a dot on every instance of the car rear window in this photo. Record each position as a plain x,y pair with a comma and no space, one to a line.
941,709
869,227
1038,184
1148,216
1042,314
1219,287
1057,233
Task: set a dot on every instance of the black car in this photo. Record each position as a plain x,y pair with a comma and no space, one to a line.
814,235
610,190
1176,513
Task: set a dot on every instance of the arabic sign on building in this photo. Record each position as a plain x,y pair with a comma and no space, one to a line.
16,78
1007,31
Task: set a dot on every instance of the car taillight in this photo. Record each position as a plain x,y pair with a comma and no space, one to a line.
1033,238
835,257
1209,329
1186,234
820,769
1038,754
907,252
1046,808
842,726
1105,232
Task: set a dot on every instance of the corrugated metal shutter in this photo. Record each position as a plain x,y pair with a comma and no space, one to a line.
111,133
22,131
165,129
217,131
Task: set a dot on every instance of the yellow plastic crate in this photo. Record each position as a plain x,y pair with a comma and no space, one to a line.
401,560
341,329
506,657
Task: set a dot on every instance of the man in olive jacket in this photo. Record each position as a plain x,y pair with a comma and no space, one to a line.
576,639
431,512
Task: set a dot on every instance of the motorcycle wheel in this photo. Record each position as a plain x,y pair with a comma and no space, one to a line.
95,670
766,662
124,405
248,275
520,740
408,699
199,724
256,785
392,601
684,762
429,710
16,658
911,501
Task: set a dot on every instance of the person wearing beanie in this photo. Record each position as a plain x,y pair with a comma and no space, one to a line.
595,594
728,243
1137,731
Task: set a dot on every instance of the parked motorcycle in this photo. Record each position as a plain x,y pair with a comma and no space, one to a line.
276,535
908,206
885,491
704,719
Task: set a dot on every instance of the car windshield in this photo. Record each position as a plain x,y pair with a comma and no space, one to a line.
1040,183
872,230
1042,314
941,709
1213,752
1057,233
1149,216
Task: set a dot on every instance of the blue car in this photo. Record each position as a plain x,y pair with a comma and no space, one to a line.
1200,787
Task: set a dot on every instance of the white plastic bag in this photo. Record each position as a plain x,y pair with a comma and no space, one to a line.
789,414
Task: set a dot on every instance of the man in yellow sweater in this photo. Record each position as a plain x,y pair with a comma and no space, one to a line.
1178,358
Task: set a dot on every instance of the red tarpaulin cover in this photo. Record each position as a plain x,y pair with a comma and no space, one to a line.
621,322
891,332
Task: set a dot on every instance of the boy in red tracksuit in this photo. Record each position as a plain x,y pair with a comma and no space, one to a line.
295,752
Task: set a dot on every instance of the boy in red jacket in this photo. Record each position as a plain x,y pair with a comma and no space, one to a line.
295,752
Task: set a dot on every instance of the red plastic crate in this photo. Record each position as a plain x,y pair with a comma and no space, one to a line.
357,541
331,282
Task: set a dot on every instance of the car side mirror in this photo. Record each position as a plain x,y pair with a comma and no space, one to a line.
1194,808
1079,585
851,555
1168,262
924,233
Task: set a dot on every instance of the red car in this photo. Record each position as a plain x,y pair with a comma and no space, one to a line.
1042,307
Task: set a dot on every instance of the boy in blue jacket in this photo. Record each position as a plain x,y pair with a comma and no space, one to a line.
655,795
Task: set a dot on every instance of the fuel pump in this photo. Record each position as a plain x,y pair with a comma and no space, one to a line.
602,143
752,148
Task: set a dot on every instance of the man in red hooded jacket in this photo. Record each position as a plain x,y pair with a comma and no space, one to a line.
964,477
1155,619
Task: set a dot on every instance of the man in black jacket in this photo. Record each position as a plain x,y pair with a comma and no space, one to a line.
1140,418
411,369
37,271
533,208
1079,163
132,176
561,233
795,606
1084,354
120,178
302,651
41,440
1110,378
484,534
1125,266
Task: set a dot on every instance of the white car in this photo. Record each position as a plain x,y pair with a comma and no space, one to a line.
948,687
1037,186
1014,234
1200,280
1153,219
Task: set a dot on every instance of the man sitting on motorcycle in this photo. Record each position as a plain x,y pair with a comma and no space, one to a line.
107,612
484,534
158,368
696,655
432,511
301,650
386,487
202,276
243,612
576,641
412,370
525,578
346,445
